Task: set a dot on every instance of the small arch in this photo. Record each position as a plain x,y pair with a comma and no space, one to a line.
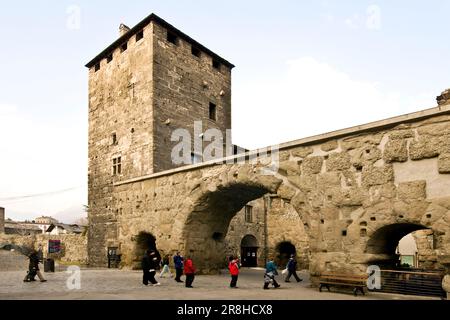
284,251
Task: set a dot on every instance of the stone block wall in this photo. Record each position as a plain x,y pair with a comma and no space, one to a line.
74,247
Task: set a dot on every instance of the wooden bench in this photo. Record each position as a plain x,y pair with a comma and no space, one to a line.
357,282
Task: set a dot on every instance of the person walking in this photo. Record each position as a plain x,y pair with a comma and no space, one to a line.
269,276
233,266
149,265
178,262
189,271
292,269
33,268
165,268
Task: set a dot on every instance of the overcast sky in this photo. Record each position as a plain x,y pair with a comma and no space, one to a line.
302,68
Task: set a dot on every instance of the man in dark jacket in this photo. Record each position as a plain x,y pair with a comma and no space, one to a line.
33,268
149,264
292,269
178,262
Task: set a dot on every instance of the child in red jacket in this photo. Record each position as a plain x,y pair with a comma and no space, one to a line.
233,266
189,271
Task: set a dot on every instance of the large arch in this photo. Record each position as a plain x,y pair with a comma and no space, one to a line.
207,224
384,241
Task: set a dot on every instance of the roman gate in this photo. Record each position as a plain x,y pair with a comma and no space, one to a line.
356,191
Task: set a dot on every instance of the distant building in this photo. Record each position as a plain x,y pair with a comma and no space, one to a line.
61,228
45,222
21,228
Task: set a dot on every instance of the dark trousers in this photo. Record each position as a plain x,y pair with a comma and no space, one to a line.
189,279
233,282
268,279
149,276
293,273
179,273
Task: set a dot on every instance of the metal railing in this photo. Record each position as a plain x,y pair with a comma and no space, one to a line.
412,282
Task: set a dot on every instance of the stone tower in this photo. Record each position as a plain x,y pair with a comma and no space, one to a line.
152,80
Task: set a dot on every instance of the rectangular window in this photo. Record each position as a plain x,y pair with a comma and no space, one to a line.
216,64
117,166
114,139
196,52
109,58
97,67
249,214
212,111
172,38
124,47
140,35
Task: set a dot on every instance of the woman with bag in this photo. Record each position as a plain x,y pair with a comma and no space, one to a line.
269,276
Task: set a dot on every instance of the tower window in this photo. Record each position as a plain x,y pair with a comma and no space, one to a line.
140,35
212,111
216,64
249,214
124,47
172,38
109,58
196,52
117,166
114,139
97,67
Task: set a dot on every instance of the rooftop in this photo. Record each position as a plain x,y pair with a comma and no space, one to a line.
153,17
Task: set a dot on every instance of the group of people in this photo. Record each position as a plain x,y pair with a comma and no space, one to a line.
152,261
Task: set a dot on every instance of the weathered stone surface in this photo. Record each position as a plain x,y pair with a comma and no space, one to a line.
401,134
372,176
290,167
365,156
412,190
396,151
444,163
329,179
338,161
446,285
269,182
312,165
426,147
302,152
360,141
285,192
329,146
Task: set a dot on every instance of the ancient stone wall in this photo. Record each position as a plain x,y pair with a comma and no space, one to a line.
356,193
74,247
239,229
2,220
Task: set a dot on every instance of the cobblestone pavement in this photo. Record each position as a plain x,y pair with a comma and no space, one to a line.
127,285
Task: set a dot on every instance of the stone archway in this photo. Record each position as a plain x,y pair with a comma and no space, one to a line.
384,242
143,241
249,251
284,250
208,223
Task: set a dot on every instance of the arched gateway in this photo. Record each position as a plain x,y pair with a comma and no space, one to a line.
356,191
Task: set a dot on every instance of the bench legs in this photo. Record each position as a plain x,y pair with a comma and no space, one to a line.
324,285
356,289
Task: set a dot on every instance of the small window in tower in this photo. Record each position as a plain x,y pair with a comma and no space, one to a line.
114,139
216,64
109,58
124,47
249,214
97,66
117,166
212,111
140,35
195,51
172,38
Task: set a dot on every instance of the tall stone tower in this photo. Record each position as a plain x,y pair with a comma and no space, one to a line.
151,81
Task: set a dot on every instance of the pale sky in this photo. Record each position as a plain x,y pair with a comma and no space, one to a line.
302,68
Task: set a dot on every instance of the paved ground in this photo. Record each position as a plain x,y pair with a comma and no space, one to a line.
126,285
